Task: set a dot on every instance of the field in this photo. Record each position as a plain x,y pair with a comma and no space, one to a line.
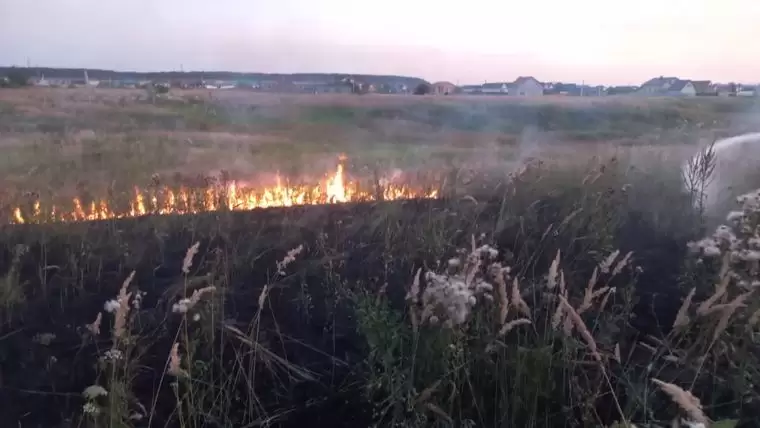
231,259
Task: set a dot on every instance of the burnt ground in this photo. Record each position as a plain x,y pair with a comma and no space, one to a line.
69,271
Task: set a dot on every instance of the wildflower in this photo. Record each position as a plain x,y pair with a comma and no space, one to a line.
90,408
551,279
684,399
607,263
175,368
111,306
137,301
94,391
577,321
94,328
682,318
289,258
506,328
185,304
112,355
187,263
488,251
735,216
181,307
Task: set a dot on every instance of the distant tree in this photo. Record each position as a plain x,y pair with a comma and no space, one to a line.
15,79
422,89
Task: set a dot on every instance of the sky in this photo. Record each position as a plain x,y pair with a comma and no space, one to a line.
465,42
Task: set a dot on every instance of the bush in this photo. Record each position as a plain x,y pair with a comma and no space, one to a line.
422,89
14,79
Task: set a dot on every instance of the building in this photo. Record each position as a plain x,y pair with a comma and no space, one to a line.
526,86
443,88
681,88
495,88
657,86
747,91
622,90
471,89
726,89
703,87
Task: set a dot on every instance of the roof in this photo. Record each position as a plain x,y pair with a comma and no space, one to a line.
659,82
494,85
678,85
442,83
525,79
702,86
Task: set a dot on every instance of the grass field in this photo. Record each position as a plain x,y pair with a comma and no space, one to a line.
496,263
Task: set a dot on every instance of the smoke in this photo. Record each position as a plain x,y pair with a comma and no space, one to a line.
736,171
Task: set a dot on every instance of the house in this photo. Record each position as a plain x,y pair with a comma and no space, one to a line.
560,88
443,88
681,88
471,89
622,90
657,86
495,88
747,91
269,85
395,88
703,87
526,86
725,89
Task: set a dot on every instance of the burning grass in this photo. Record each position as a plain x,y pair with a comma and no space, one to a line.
224,195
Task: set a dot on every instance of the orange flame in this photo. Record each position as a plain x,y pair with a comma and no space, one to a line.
232,196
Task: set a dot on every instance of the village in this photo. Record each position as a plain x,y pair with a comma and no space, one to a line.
524,86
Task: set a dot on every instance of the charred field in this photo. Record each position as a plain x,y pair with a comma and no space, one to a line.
468,263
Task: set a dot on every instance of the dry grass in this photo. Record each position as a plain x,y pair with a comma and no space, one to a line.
540,334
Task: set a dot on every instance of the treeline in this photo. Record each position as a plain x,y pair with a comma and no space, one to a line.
99,74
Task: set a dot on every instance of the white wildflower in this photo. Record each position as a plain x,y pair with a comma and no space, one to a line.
289,258
724,233
735,216
711,251
112,355
94,391
182,306
137,300
488,250
90,408
111,306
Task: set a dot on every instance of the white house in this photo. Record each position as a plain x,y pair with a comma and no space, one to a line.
495,88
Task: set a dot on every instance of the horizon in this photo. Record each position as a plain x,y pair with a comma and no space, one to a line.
556,42
590,84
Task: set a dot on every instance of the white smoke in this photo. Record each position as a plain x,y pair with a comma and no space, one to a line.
736,160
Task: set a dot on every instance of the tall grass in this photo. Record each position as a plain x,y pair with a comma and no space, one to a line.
521,300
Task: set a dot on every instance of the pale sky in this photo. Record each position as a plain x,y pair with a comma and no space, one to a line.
599,41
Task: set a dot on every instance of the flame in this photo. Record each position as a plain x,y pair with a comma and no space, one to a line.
231,196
